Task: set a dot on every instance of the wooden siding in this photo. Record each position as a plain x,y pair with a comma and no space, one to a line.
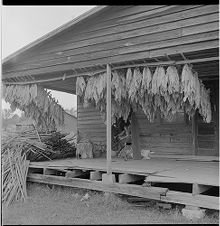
162,138
123,34
165,138
70,124
208,137
89,121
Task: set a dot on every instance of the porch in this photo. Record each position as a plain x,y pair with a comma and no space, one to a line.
180,180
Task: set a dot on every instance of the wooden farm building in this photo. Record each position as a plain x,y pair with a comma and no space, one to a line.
108,38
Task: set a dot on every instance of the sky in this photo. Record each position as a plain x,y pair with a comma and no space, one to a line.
22,25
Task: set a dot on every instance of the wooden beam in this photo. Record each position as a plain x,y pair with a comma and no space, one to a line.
205,201
135,137
216,118
109,124
100,62
183,56
155,193
195,133
129,189
60,78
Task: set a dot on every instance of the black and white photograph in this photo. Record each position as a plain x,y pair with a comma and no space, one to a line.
110,114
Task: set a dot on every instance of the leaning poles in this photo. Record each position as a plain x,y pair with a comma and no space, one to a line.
108,128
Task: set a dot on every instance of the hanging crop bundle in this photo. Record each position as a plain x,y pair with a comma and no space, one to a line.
165,91
172,95
147,106
146,82
173,80
95,89
120,110
89,91
188,89
129,77
195,94
118,85
101,85
190,84
158,85
80,86
135,85
205,105
36,103
162,81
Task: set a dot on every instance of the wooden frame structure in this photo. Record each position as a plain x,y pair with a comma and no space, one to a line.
108,38
109,124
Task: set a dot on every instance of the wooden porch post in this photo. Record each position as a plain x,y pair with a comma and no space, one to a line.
135,137
109,124
195,133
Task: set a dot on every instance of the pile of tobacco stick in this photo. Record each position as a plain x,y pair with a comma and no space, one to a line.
18,149
14,150
29,141
15,168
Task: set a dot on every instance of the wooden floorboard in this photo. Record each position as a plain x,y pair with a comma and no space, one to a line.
205,173
188,157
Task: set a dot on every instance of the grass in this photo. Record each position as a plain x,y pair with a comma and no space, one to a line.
63,205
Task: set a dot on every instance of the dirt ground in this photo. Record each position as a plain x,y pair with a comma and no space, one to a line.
62,205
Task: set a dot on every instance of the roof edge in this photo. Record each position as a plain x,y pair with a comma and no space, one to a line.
55,32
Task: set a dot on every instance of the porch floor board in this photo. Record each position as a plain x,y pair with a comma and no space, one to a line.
160,170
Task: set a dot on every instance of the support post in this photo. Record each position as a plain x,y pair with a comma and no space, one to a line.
195,134
216,118
135,137
109,124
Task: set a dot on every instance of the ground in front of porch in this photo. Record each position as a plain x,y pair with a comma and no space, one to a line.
61,205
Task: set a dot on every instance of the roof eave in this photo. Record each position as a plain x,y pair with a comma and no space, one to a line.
54,32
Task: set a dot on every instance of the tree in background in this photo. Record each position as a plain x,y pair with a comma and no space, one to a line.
22,117
7,113
8,118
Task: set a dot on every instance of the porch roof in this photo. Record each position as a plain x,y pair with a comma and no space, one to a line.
121,36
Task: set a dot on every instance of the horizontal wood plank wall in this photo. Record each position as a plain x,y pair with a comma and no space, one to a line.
207,139
70,124
121,34
89,121
165,138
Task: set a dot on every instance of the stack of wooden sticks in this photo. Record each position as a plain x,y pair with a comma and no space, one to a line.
15,168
